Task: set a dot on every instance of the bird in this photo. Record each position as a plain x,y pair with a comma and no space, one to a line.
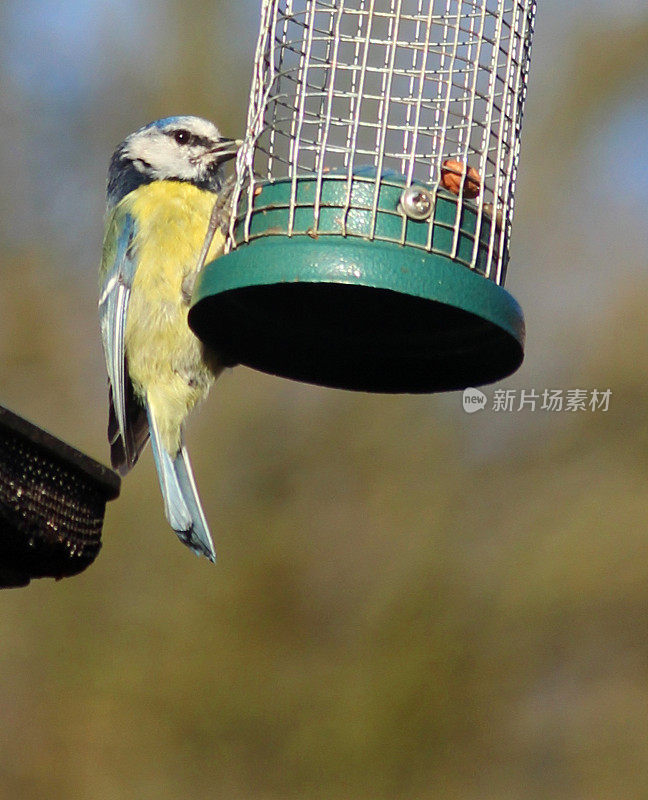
165,188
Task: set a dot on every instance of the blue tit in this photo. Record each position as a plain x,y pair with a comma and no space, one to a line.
163,183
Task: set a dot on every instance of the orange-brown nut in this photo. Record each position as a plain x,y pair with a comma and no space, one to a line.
451,172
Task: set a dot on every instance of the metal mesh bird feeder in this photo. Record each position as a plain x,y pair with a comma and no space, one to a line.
374,196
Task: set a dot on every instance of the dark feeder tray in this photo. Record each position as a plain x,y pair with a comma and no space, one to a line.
52,504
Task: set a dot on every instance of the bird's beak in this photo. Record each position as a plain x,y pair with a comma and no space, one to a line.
226,149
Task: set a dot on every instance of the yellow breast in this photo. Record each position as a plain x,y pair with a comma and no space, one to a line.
171,220
166,361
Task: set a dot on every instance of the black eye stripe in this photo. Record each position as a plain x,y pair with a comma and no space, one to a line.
202,140
193,140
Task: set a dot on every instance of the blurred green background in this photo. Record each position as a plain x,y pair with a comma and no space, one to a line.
410,602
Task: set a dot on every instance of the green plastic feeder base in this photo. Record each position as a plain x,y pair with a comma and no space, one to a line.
355,314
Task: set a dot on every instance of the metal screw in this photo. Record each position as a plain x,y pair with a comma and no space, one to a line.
416,202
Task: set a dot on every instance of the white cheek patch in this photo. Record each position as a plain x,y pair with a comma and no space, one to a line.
155,152
163,156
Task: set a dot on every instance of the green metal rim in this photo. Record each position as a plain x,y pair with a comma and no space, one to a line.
367,207
356,314
336,260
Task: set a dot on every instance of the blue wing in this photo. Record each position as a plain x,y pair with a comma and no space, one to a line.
127,426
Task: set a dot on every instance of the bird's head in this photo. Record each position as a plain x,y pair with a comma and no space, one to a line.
181,148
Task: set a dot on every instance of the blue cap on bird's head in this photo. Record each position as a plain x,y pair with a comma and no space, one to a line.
178,148
162,123
177,120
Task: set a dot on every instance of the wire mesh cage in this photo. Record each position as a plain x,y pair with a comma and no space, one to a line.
375,195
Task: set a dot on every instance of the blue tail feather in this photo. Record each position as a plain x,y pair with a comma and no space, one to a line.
181,502
200,536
